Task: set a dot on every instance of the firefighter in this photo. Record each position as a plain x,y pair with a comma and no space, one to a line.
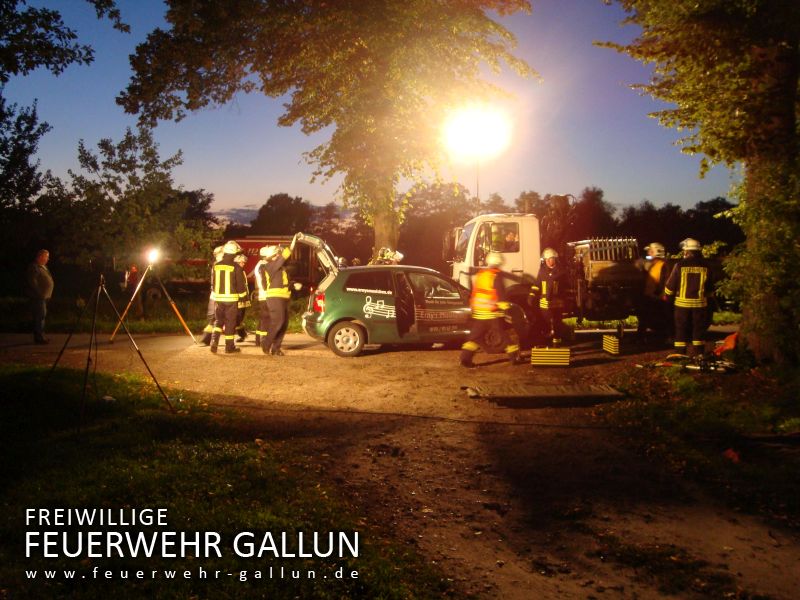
549,287
259,277
211,309
488,304
229,285
655,313
244,303
691,285
273,285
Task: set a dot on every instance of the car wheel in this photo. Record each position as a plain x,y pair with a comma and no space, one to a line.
347,339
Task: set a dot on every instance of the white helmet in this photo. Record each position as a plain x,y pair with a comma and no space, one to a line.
231,247
690,244
549,253
267,252
218,252
241,259
656,250
494,259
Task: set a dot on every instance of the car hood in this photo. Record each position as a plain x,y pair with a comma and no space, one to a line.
325,255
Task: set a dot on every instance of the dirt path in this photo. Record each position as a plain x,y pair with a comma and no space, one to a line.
510,502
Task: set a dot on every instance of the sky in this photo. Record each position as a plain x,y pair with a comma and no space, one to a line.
580,126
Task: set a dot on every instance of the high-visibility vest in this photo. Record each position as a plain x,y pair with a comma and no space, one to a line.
484,298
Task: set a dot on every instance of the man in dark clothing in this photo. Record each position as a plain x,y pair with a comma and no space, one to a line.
550,287
229,288
488,303
40,290
654,313
273,285
690,282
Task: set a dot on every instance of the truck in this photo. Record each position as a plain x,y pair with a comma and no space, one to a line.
605,280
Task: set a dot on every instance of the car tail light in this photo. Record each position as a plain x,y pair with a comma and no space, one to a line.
319,302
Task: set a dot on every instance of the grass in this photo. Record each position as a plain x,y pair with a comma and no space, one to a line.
212,470
713,427
63,315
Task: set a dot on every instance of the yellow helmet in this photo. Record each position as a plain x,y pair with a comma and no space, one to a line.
267,252
231,247
690,244
656,250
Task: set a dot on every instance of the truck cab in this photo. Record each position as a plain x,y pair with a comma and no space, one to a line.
515,236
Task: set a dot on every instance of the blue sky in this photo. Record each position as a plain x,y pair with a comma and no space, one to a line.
580,126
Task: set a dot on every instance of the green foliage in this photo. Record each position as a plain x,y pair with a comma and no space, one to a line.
20,179
736,97
37,37
381,76
122,203
282,214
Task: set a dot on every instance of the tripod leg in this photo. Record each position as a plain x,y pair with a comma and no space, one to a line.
69,337
92,342
174,307
138,351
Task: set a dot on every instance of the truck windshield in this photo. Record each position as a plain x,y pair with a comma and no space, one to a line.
463,242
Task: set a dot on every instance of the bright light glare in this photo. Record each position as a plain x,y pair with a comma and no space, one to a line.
152,256
477,132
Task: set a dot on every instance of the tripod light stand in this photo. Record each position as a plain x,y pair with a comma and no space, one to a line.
101,289
152,258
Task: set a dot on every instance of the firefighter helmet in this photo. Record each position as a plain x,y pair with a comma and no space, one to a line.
231,247
690,244
549,253
494,259
267,252
656,250
241,259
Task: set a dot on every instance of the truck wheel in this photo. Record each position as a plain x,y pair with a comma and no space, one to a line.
493,342
347,339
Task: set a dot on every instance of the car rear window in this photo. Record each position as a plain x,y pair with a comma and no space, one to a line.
372,282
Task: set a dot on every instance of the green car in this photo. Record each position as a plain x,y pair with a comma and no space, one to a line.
383,304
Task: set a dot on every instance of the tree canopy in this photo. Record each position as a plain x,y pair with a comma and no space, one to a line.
38,37
379,74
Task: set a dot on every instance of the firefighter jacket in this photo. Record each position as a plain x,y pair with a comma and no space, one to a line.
271,277
690,283
488,294
550,286
228,281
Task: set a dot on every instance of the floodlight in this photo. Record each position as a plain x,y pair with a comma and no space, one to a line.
153,256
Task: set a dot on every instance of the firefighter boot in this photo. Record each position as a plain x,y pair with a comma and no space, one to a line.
264,347
230,347
206,340
241,333
258,339
215,341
